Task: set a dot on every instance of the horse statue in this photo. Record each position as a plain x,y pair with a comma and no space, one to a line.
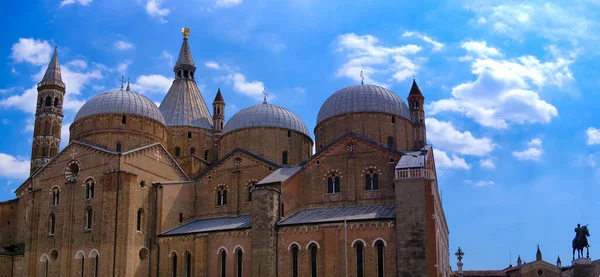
580,241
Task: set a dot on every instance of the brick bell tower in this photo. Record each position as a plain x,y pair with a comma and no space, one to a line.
415,103
218,112
48,116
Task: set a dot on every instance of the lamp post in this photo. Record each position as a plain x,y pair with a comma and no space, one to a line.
459,254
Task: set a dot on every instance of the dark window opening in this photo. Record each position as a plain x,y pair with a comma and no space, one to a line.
140,214
96,267
123,120
180,218
56,102
188,265
82,266
221,125
44,153
218,110
250,188
359,260
89,219
239,262
48,101
89,190
372,181
223,263
192,151
289,134
379,245
185,73
174,265
393,119
189,134
221,197
284,158
313,261
206,155
333,184
118,147
179,74
52,224
295,261
177,151
55,197
390,142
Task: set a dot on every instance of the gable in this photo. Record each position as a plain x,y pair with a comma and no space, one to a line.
155,161
247,159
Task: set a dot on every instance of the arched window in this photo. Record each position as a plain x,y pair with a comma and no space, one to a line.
82,266
88,219
89,189
188,264
123,120
239,256
333,183
393,119
185,73
313,260
55,196
360,263
56,102
390,142
46,267
174,265
140,217
379,246
189,135
96,265
179,73
223,263
192,151
218,110
48,101
371,180
221,196
192,74
295,250
284,158
177,151
250,188
44,152
118,147
180,218
289,134
51,225
206,155
221,125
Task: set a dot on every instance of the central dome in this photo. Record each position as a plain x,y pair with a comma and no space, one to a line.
265,115
120,102
363,98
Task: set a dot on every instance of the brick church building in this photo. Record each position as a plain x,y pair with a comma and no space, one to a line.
174,190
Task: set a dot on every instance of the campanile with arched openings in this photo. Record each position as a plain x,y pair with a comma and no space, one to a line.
48,115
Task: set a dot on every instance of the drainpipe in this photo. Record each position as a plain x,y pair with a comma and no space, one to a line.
156,186
116,218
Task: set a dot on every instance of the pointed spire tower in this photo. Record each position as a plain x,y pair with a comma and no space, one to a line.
538,254
415,103
48,115
183,105
218,112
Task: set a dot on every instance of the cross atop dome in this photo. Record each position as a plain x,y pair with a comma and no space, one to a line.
265,94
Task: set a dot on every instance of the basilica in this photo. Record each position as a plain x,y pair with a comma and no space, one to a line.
177,190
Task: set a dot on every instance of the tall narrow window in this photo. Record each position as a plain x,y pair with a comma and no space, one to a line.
97,265
295,261
284,158
393,119
221,196
313,260
52,225
379,245
192,151
250,188
118,147
174,265
89,217
44,152
48,101
189,135
56,102
206,155
223,263
140,215
239,255
359,259
218,110
82,266
55,197
221,125
390,142
46,268
89,189
371,180
188,264
333,183
180,218
289,134
123,120
177,151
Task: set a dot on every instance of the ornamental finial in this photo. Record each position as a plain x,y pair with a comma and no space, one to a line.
362,78
265,95
459,254
185,32
122,80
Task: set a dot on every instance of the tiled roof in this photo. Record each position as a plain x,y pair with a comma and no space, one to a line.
414,90
265,115
120,102
337,214
414,159
212,225
280,175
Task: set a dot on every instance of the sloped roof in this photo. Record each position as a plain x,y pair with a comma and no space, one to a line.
414,89
211,225
280,175
337,214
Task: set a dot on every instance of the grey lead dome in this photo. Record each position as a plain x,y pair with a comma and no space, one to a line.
120,102
265,115
363,98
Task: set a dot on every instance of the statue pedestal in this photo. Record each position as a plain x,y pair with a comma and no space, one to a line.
582,261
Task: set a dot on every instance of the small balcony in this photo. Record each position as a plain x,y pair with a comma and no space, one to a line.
411,173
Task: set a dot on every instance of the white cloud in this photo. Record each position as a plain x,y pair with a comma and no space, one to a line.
8,90
442,134
31,50
487,163
593,136
14,167
253,89
81,2
366,53
98,87
154,9
152,84
443,161
506,90
227,3
77,64
211,64
122,67
532,153
167,56
437,46
483,183
123,45
481,49
64,135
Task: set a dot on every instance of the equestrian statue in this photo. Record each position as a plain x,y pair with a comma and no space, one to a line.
580,241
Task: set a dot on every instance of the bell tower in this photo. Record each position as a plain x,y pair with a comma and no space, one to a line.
218,112
415,103
48,115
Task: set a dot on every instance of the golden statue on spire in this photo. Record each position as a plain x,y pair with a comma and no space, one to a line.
185,32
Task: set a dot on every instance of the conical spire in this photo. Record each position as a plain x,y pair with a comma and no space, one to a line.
185,55
558,262
538,254
53,70
414,90
519,261
219,97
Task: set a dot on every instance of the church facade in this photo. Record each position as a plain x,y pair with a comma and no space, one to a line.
174,190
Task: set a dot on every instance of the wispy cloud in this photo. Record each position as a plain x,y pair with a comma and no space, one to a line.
443,161
152,84
437,46
239,81
81,2
123,45
154,9
532,153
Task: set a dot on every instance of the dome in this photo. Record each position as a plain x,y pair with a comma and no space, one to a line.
363,98
265,115
120,102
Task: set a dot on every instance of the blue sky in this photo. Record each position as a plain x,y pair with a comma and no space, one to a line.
511,90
